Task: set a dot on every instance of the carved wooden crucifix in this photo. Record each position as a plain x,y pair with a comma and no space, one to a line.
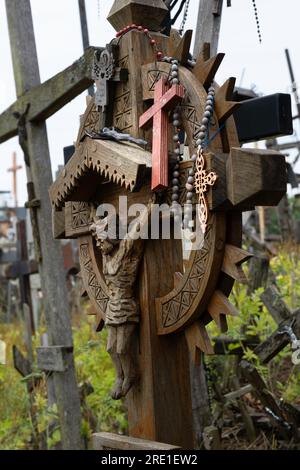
176,299
165,98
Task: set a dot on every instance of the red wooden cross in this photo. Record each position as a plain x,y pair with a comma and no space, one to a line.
165,98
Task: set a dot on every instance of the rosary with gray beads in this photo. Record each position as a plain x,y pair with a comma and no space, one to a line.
200,145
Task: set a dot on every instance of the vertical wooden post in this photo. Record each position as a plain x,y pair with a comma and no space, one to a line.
159,407
208,25
207,30
26,72
84,33
285,219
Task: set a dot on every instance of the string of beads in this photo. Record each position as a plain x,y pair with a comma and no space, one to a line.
146,32
257,20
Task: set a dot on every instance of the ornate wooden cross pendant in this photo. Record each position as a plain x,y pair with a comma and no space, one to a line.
164,99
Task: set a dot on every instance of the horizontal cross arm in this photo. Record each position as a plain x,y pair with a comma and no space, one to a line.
47,98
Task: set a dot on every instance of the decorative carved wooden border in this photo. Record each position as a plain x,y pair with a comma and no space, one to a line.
92,277
119,167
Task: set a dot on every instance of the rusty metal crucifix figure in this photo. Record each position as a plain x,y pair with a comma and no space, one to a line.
165,98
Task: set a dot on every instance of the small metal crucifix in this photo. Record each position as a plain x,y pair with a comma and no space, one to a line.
104,71
164,99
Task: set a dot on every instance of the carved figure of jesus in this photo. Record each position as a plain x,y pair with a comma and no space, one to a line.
121,259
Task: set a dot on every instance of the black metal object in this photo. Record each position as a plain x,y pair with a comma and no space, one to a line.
68,153
265,117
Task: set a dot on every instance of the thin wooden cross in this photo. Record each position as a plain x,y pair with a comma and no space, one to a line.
164,99
14,169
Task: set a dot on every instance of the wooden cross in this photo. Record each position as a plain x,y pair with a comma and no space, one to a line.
22,269
45,99
165,98
14,170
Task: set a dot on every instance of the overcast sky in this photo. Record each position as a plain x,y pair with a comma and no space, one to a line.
58,38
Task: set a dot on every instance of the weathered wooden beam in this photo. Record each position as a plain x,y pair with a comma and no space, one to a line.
26,72
267,400
144,12
21,268
53,358
208,25
58,223
47,98
224,345
278,340
258,273
238,393
289,326
276,306
21,364
255,177
247,178
109,441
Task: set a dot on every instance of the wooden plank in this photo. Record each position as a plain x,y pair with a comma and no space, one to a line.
255,177
267,400
21,268
208,26
278,340
47,98
238,393
21,364
164,362
225,345
52,358
276,306
58,223
139,12
26,72
258,273
109,441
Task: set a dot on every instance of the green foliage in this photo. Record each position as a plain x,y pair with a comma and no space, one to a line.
93,365
254,320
